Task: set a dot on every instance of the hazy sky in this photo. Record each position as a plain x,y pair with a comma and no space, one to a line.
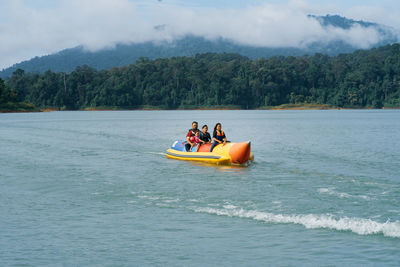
31,28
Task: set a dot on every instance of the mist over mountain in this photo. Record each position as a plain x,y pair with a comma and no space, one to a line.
189,45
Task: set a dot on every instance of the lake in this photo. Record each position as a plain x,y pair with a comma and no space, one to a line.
95,188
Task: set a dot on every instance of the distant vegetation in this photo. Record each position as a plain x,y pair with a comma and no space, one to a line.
9,102
359,80
125,54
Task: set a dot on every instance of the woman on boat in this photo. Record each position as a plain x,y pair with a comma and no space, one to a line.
205,136
218,136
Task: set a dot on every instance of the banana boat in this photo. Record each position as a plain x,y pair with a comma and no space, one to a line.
229,153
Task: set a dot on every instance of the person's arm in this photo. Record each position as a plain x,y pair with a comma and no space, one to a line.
201,138
188,139
216,140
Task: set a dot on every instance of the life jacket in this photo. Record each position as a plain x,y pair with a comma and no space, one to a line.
220,135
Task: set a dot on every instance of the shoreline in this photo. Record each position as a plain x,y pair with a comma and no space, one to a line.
284,107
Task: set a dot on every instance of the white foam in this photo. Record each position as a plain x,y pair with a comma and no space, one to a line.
332,192
230,207
324,190
155,153
360,226
148,197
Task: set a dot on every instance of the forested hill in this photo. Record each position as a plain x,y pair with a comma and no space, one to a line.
125,54
361,79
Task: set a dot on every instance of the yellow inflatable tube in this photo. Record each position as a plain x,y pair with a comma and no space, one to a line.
230,153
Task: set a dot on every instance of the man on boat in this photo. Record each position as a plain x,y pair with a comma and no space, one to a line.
192,133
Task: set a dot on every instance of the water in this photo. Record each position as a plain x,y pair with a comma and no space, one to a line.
95,188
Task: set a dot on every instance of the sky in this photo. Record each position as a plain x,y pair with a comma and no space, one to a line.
30,28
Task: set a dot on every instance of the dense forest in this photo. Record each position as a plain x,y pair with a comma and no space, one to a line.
9,102
361,79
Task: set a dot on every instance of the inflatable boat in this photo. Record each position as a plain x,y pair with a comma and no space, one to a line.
229,153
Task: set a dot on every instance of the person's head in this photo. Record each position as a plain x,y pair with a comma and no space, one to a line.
194,125
204,128
217,127
197,133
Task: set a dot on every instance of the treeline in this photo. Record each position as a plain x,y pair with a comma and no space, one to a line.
361,79
9,102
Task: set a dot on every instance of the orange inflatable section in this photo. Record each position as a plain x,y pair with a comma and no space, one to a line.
204,148
240,152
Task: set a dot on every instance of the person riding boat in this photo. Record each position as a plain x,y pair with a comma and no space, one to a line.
218,136
195,141
191,133
205,136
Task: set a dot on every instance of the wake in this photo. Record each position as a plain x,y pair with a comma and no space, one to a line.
310,221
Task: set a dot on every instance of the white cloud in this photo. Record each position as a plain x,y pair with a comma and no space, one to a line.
26,31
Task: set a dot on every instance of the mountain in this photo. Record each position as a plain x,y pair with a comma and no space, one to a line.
388,35
124,54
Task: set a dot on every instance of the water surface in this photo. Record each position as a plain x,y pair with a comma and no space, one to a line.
95,188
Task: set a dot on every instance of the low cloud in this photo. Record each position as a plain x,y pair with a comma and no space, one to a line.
27,31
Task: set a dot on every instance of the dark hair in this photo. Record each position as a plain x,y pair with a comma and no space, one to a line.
215,128
195,122
205,125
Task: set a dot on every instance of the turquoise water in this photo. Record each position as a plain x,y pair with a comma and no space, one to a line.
95,188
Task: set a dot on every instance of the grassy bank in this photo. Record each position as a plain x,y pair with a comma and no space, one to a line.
148,107
217,107
299,107
28,107
11,107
